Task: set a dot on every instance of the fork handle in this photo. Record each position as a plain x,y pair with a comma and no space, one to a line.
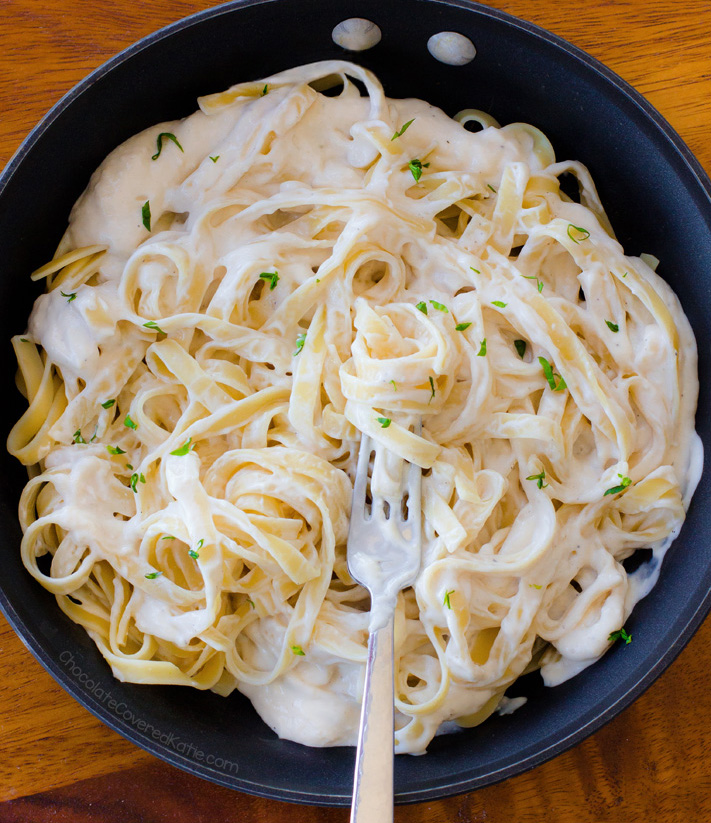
373,781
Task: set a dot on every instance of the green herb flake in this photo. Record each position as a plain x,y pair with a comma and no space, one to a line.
251,602
77,437
539,478
93,436
192,553
265,90
129,423
577,234
620,634
416,167
168,537
520,346
482,349
384,421
300,340
272,277
432,389
215,158
115,450
297,650
200,543
612,326
422,306
489,186
402,130
146,215
539,283
71,296
550,375
153,326
159,143
153,575
625,274
624,483
476,271
535,585
107,404
394,385
499,304
447,602
129,467
439,306
24,340
135,479
181,451
462,326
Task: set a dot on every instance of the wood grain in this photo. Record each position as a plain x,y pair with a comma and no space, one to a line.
61,764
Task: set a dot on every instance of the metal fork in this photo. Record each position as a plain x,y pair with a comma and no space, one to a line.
384,547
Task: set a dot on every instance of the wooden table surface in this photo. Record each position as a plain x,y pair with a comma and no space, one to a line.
61,764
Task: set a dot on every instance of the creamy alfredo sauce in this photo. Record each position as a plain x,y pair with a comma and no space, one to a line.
312,267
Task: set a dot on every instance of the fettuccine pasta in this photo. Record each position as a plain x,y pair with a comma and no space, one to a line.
241,294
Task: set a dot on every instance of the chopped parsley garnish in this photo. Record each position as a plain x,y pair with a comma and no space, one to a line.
181,451
539,283
439,306
462,326
624,482
482,349
300,340
402,130
384,421
394,385
265,90
146,215
499,303
539,478
416,167
107,404
476,271
612,326
168,537
129,466
535,585
71,296
251,602
153,575
298,651
550,375
577,234
77,437
620,634
422,306
24,340
447,602
200,543
432,389
520,346
489,186
135,478
129,423
215,158
115,450
153,326
272,277
159,143
192,553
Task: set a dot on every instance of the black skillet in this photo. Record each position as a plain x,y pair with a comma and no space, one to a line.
658,199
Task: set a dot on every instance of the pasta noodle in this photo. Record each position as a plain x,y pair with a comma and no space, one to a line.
239,295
